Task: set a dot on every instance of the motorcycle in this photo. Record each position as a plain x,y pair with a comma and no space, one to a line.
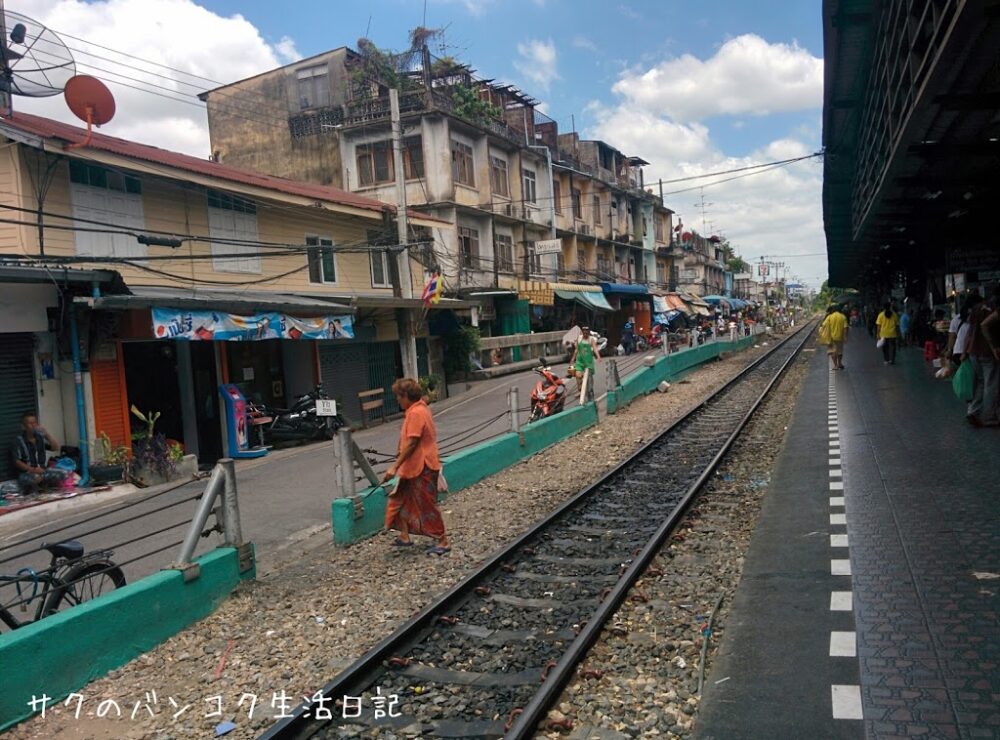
548,396
300,423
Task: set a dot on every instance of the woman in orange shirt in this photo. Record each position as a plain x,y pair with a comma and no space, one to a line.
412,508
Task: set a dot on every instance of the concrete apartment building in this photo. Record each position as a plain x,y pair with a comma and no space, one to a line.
476,154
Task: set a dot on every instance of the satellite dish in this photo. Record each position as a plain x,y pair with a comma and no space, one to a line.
91,101
34,61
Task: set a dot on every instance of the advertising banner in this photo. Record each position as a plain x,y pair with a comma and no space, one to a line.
548,246
171,323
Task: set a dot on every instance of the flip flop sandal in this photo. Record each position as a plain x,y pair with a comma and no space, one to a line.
438,550
402,543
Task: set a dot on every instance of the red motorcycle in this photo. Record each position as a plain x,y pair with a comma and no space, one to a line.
549,395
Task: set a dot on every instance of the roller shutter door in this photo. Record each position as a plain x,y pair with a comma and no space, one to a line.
18,378
111,416
344,371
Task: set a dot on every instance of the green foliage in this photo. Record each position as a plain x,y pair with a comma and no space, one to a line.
429,385
472,108
149,419
107,453
461,343
735,264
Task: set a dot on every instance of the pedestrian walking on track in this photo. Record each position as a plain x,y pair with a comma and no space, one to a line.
412,508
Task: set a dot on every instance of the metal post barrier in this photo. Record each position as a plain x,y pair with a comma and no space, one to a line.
232,529
515,421
345,462
213,488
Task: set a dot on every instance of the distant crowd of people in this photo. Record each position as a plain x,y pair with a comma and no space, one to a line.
971,337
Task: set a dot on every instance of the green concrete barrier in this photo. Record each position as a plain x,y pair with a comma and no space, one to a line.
360,517
667,367
355,519
62,653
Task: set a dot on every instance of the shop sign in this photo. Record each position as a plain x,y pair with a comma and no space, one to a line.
548,246
170,323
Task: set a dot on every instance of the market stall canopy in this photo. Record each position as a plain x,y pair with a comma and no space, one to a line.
675,302
587,299
714,299
697,304
625,289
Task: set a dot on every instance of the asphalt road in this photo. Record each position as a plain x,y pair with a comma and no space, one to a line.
284,498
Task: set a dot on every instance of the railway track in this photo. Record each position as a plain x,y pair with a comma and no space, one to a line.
487,659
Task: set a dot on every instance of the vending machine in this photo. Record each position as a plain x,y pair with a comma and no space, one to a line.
237,424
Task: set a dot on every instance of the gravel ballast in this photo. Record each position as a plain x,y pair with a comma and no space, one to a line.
294,629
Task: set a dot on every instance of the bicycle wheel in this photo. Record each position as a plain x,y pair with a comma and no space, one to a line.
83,582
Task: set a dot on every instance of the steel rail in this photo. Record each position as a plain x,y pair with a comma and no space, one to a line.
360,674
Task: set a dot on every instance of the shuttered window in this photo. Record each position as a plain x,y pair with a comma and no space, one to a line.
232,225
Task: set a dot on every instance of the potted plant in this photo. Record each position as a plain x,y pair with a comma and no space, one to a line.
111,461
429,385
154,456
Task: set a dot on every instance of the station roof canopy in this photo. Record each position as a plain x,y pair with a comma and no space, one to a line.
910,133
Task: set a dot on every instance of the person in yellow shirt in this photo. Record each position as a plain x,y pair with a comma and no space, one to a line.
835,325
887,328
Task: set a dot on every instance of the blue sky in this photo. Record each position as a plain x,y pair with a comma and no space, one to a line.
693,87
624,35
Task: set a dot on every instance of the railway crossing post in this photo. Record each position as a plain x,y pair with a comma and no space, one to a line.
515,421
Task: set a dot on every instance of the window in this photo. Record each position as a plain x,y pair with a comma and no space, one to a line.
661,273
577,207
463,169
534,260
381,277
659,229
498,177
375,163
413,157
232,220
581,259
468,247
557,195
108,196
314,89
530,189
597,209
504,247
101,177
560,265
322,261
604,267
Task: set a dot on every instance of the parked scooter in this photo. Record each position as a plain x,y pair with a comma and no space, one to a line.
301,423
548,396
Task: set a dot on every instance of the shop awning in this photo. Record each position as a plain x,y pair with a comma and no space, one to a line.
574,287
143,296
624,289
594,301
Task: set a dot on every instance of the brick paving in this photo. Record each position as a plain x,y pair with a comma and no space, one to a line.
922,494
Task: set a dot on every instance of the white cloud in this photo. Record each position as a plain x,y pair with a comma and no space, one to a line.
582,42
746,76
777,212
475,7
538,62
175,33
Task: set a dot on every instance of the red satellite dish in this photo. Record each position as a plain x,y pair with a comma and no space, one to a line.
91,101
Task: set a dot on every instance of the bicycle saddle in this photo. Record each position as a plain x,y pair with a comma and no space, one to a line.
70,549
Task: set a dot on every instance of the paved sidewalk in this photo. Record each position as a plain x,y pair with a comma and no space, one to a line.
883,512
284,497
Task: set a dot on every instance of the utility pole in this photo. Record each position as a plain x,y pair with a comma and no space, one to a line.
404,316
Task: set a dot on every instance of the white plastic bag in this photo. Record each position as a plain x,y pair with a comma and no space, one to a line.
879,343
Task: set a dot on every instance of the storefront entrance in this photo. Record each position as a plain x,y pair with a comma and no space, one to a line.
151,384
18,394
257,369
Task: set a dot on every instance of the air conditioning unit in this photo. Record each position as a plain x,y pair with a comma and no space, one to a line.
584,229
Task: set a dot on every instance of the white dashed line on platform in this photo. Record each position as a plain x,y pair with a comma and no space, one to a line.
846,701
841,601
840,567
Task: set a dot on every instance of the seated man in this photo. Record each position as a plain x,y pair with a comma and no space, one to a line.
29,456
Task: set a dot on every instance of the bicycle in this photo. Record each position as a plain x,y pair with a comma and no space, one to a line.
71,578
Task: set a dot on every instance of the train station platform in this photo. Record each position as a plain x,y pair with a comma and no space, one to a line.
869,600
